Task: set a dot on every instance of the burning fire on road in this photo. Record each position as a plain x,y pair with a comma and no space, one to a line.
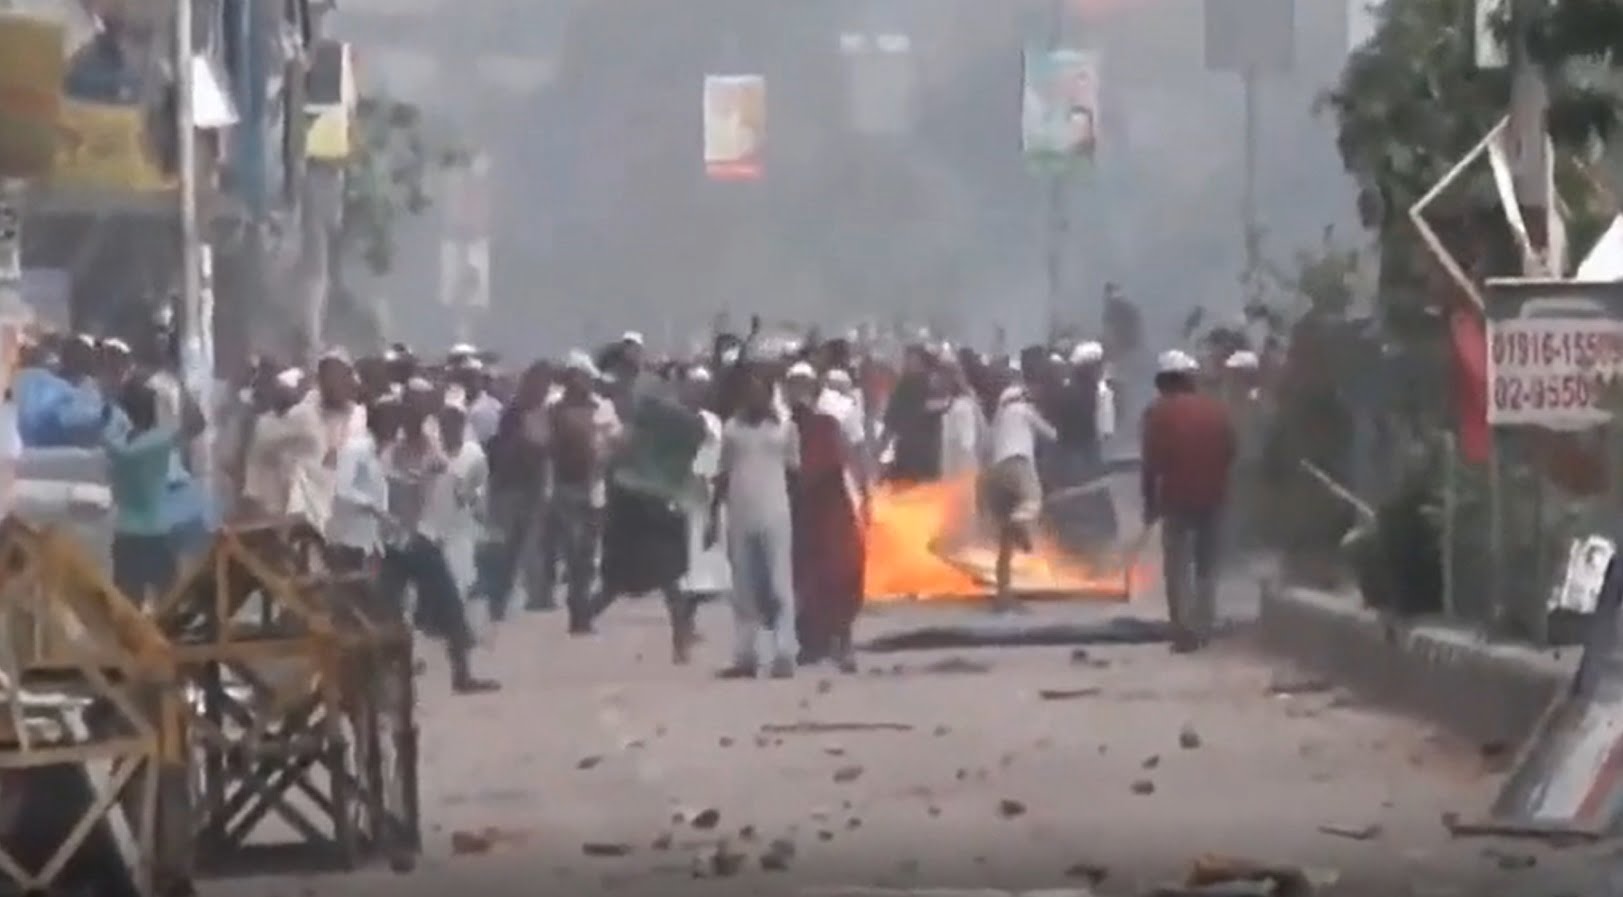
923,544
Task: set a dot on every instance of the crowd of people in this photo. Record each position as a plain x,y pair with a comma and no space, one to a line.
747,474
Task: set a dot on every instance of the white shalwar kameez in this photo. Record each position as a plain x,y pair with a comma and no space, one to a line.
708,571
454,506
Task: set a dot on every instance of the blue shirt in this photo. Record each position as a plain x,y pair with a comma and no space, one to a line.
138,471
53,413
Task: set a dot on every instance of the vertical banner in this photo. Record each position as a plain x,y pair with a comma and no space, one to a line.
1059,112
879,81
734,126
465,241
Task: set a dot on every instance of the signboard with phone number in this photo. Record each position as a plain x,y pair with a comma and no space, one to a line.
1553,347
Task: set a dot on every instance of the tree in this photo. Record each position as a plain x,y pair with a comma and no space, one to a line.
386,180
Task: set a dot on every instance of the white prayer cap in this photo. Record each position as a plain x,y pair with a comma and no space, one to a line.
463,349
86,339
1089,352
1176,361
698,374
581,363
731,354
1243,360
800,370
839,377
473,365
290,378
336,353
418,384
1055,358
632,337
116,344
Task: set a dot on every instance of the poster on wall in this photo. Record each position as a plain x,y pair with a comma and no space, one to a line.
1059,114
1555,349
734,127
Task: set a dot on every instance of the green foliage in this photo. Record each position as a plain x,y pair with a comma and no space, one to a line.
387,178
1411,101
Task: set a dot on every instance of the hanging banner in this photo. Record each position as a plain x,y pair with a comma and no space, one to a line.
31,73
1060,107
465,235
879,81
105,145
734,126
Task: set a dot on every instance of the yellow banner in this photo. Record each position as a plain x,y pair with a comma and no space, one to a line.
328,139
32,67
105,146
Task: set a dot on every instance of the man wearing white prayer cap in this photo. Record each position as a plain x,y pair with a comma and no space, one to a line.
1083,410
581,428
1011,490
285,455
1189,449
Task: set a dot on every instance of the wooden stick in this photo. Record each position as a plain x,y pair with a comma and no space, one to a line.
1338,490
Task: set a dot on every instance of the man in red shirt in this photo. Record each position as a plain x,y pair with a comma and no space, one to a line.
1188,451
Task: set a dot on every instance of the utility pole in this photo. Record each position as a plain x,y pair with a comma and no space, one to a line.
1059,218
195,361
189,312
1528,143
1248,195
11,235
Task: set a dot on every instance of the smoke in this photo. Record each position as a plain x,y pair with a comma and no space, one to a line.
604,219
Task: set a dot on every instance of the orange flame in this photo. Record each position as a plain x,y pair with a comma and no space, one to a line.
911,525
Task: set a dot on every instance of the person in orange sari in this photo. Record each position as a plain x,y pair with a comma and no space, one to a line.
828,559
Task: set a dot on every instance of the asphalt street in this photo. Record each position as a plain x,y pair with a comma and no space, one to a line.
601,768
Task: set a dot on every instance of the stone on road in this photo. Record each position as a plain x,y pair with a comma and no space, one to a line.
597,749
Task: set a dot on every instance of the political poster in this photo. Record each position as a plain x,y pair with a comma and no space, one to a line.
465,238
734,127
1059,116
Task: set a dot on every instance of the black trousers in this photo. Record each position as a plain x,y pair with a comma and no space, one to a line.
144,567
420,564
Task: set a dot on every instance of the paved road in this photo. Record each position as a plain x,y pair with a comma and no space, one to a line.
992,786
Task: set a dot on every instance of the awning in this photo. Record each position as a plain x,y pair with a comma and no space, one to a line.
212,106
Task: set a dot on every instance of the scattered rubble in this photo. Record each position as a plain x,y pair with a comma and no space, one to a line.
1152,761
605,849
847,774
483,841
1092,873
705,819
1188,738
958,666
720,861
1366,832
779,854
1285,688
1010,809
589,762
663,842
1069,694
1143,787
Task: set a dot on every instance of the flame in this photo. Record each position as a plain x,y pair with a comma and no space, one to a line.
905,558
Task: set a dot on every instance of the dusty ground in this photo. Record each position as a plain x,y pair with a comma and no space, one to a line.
994,785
